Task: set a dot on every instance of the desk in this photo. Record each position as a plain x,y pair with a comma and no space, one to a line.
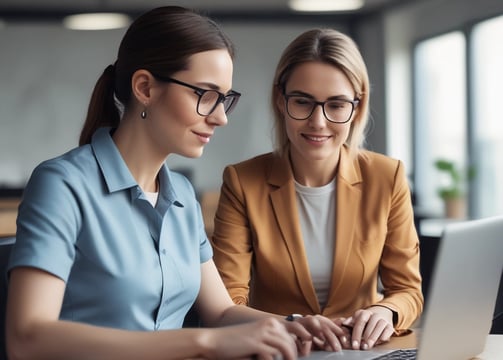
8,215
492,351
434,227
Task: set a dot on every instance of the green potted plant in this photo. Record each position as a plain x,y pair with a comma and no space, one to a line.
454,192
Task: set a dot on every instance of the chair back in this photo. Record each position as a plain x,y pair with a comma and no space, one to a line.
5,248
497,326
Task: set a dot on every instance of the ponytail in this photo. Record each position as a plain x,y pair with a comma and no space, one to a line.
102,110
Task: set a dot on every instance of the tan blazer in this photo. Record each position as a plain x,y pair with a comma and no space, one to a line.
259,251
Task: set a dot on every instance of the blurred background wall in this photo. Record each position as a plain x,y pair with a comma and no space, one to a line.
47,74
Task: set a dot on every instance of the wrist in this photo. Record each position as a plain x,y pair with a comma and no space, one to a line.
205,343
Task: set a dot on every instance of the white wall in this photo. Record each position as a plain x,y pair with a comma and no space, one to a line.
46,78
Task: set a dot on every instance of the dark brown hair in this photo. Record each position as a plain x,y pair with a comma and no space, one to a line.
160,41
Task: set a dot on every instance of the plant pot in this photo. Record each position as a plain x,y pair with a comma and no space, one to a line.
455,208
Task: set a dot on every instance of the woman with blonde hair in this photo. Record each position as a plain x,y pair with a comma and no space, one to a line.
312,227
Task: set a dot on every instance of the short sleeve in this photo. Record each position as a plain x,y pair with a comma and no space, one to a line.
48,222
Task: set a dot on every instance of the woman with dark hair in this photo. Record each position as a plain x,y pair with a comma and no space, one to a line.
111,251
312,227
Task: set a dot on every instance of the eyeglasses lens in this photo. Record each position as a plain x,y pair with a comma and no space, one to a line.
230,102
301,108
210,100
207,102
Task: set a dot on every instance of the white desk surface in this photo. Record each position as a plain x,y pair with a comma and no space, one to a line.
494,348
434,227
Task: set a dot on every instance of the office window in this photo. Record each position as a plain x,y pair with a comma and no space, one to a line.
439,113
487,135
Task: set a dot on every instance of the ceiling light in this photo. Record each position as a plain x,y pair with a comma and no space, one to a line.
96,21
325,5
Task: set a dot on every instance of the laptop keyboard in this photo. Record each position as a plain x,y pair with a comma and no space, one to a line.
402,354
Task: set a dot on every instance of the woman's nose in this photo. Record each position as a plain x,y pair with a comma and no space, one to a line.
218,116
317,118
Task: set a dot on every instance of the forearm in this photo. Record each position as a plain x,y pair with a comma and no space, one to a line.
402,284
399,268
65,340
241,313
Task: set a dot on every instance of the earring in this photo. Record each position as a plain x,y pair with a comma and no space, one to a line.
143,114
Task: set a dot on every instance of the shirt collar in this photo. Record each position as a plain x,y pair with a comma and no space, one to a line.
167,195
117,175
115,171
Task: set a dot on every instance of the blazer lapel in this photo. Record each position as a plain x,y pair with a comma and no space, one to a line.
347,211
283,201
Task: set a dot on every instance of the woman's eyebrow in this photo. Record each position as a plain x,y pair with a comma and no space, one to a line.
213,86
209,85
300,93
307,95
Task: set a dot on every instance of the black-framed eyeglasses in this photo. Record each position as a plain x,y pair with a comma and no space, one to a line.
338,111
208,100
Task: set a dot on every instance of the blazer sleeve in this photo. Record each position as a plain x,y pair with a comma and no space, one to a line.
399,265
231,238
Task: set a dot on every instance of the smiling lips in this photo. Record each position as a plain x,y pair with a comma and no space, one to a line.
203,137
317,139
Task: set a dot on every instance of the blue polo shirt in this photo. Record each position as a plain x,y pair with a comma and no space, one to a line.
126,264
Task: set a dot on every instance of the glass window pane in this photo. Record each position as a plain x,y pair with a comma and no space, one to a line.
487,55
439,114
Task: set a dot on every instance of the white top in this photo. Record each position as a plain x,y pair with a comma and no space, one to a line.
316,207
152,197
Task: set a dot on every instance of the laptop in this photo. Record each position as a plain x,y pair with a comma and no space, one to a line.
462,298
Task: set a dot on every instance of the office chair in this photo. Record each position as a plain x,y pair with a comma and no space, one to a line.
5,248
